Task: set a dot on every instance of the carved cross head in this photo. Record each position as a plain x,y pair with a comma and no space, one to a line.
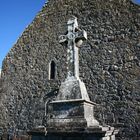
74,34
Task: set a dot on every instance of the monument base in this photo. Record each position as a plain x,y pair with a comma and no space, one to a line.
101,133
71,115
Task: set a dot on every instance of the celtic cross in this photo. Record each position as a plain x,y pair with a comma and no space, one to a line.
73,39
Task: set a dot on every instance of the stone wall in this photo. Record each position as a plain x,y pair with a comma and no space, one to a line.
109,64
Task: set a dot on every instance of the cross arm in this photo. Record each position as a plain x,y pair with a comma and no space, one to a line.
62,39
81,35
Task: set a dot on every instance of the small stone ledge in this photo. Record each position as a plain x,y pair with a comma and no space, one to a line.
72,101
95,132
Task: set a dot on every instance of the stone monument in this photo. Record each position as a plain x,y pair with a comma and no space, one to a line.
72,108
70,114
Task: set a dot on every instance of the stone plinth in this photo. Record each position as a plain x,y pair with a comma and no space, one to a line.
72,108
100,133
71,115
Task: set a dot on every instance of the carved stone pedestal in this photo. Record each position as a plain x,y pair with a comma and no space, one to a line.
72,108
71,115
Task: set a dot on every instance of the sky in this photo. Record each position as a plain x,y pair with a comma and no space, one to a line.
136,1
15,16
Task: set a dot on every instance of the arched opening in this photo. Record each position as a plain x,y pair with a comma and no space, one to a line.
52,72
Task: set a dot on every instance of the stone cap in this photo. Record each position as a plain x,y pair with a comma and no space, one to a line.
73,101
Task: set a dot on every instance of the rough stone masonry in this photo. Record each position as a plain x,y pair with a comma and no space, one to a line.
109,65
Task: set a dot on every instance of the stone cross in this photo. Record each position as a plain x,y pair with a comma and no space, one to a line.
73,39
